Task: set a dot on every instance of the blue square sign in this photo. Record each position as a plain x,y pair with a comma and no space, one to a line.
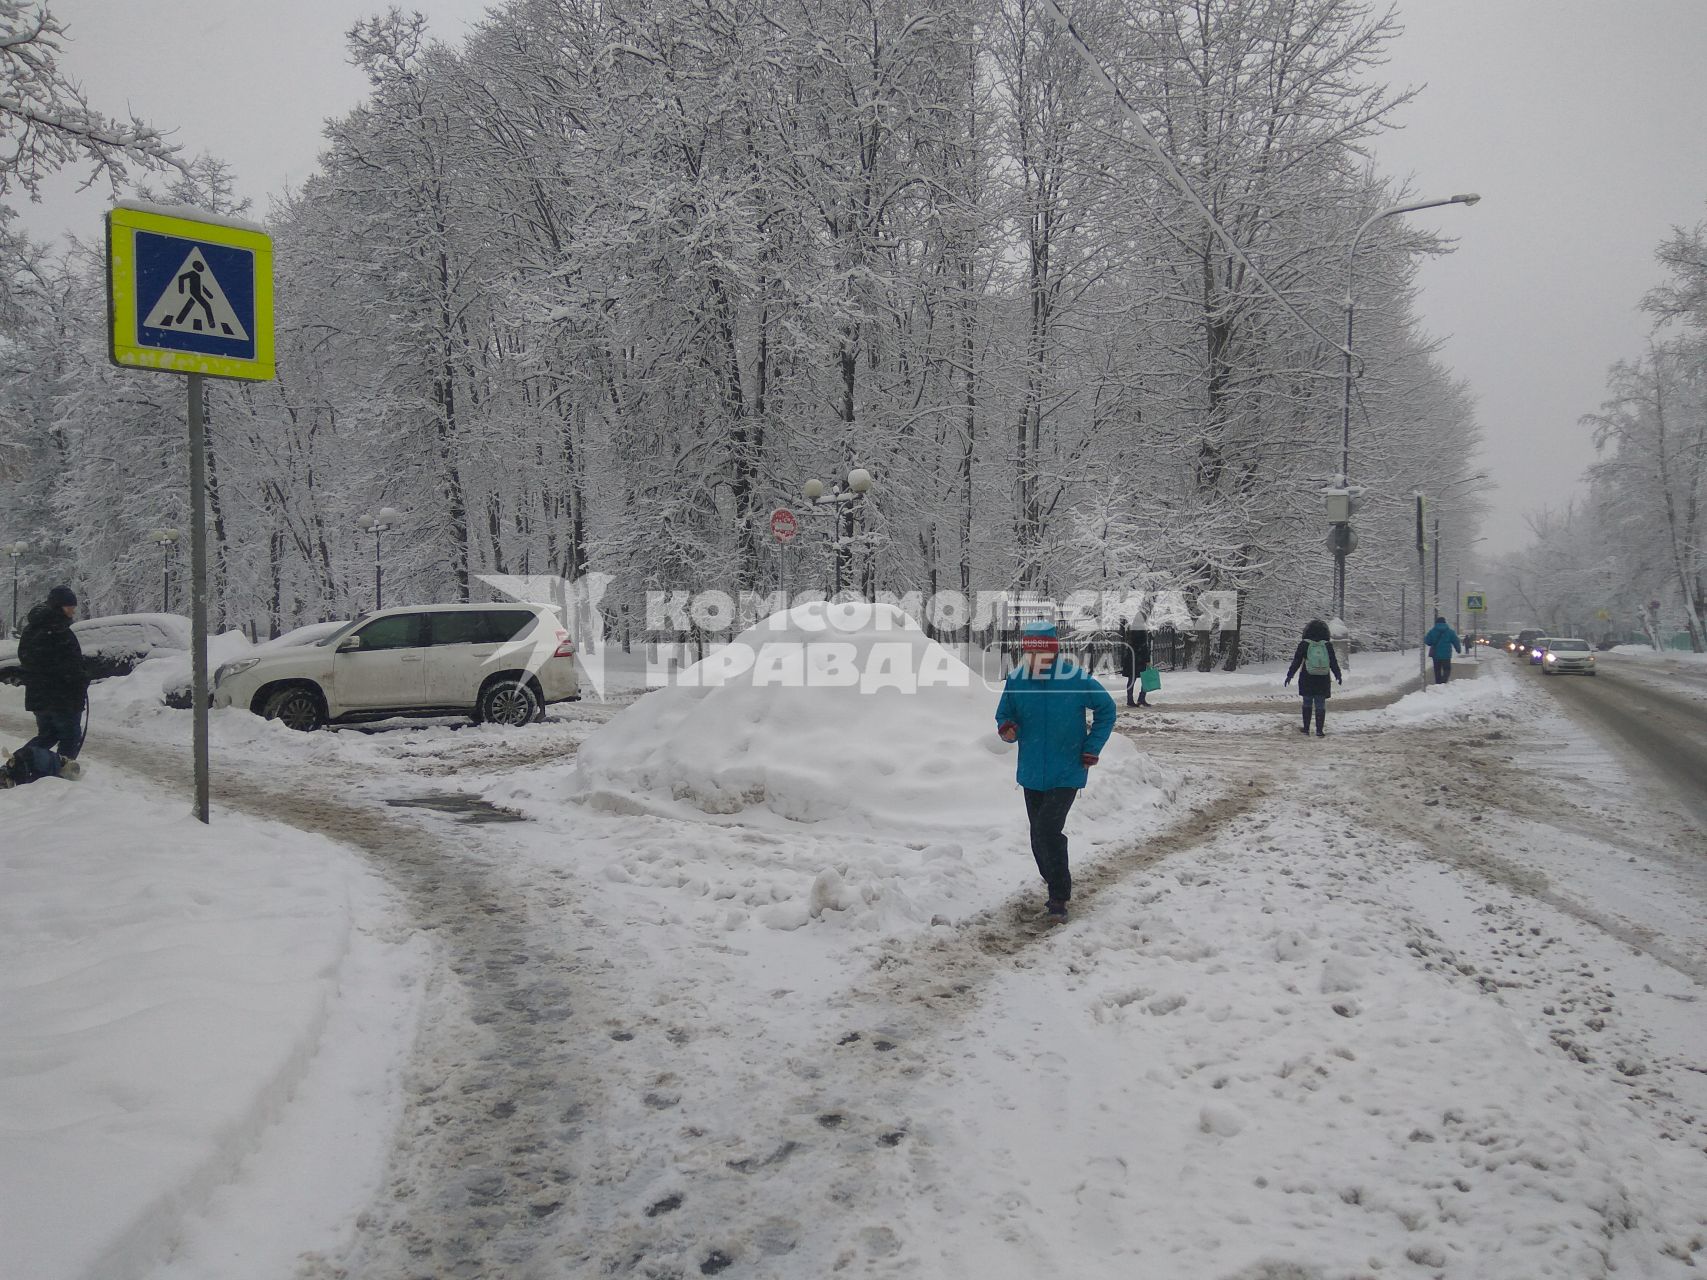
188,294
196,297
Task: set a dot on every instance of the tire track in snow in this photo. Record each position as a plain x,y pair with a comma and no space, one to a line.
505,1077
800,1134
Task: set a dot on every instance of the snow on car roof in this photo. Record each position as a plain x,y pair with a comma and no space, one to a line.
170,625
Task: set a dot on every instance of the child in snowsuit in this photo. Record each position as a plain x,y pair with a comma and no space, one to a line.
1043,709
1315,654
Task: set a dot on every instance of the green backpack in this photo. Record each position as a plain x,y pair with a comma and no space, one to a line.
1317,660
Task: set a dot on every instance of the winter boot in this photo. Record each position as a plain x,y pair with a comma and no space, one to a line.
69,769
1057,911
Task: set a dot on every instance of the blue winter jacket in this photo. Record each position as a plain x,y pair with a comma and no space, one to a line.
1441,641
1049,712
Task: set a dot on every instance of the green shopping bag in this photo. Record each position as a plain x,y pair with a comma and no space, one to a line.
1150,679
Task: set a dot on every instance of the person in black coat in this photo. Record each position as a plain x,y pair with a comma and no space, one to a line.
1134,657
1313,685
54,680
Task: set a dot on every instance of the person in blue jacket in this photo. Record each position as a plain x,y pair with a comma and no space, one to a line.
1043,708
1441,641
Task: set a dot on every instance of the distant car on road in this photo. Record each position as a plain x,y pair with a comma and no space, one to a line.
1525,642
499,663
113,646
1567,653
1537,650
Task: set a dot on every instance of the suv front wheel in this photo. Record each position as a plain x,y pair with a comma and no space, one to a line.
296,707
508,701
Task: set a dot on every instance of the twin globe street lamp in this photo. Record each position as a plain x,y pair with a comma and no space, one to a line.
381,521
841,496
1341,537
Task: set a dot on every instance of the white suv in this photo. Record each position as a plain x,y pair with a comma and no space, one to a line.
496,662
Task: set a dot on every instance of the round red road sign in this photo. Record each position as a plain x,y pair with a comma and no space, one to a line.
783,525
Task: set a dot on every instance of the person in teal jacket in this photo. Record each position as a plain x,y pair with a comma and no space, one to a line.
1441,641
1043,708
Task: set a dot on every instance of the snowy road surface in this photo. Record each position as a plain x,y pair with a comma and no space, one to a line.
1420,998
1656,711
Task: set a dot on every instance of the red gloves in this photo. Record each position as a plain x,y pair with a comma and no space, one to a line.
1088,759
1008,732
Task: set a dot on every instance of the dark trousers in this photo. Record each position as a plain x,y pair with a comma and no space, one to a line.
1317,703
60,731
1048,813
1132,680
1442,670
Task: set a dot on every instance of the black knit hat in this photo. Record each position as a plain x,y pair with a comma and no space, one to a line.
59,597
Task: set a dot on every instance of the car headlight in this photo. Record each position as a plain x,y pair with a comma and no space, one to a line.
233,668
1552,657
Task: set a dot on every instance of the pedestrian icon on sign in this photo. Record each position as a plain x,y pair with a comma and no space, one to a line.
193,302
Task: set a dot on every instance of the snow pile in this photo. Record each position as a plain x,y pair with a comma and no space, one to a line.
1457,700
846,714
165,990
164,681
1652,654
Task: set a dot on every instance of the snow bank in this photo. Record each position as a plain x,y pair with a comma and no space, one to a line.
1651,654
165,989
843,714
1261,681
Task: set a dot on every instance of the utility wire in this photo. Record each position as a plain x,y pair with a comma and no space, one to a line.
1177,178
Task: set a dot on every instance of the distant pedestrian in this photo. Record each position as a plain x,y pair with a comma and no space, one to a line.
1442,641
1043,708
1134,658
1315,655
55,684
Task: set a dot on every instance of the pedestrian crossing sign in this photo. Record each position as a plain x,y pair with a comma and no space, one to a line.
1475,601
189,293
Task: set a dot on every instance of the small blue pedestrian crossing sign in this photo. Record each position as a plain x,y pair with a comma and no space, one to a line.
189,296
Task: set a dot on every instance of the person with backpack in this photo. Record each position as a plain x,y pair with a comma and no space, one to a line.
55,683
1043,708
1134,658
1315,654
1441,641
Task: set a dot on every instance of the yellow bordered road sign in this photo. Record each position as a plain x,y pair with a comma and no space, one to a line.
189,296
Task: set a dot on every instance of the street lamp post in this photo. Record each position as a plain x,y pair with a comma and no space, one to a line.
379,522
1458,588
15,549
165,539
1341,546
841,496
1479,476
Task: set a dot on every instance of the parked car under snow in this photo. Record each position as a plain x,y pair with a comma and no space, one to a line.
113,646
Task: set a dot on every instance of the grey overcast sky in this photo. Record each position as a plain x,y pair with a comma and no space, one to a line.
1579,122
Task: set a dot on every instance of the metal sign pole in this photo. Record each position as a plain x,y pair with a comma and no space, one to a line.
198,589
1422,585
